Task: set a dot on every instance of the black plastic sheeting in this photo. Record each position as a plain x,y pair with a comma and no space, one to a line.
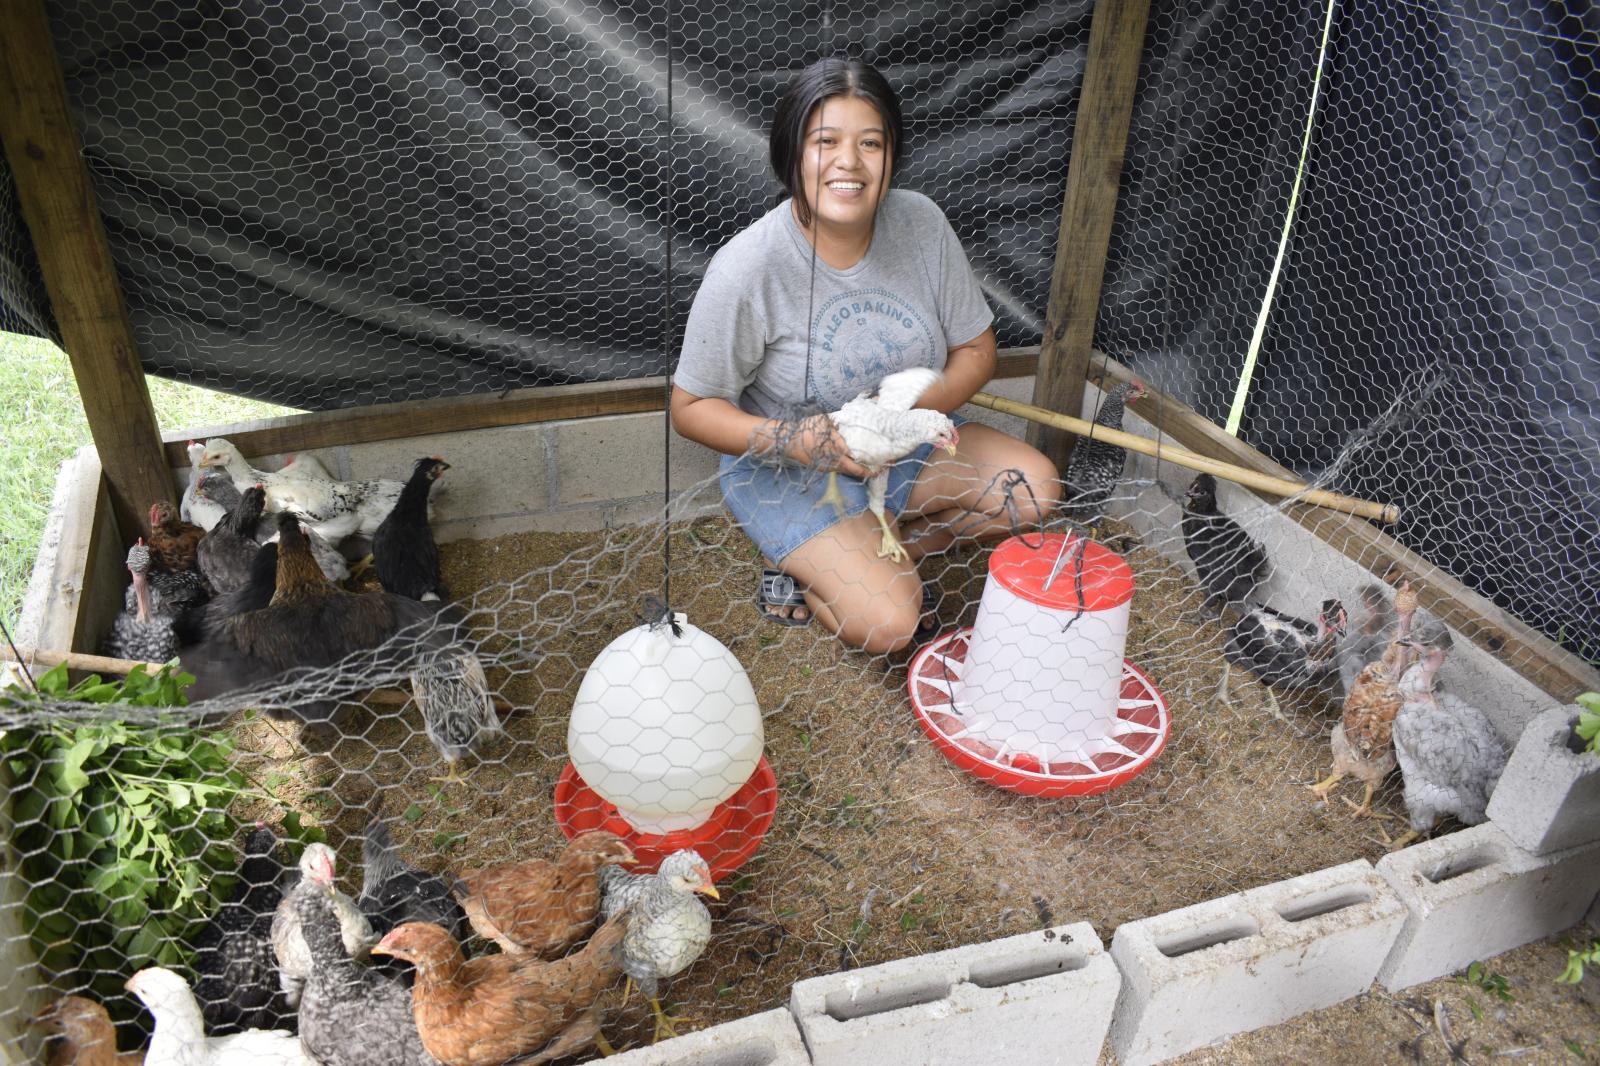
343,203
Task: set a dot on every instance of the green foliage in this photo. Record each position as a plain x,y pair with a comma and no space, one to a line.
1577,959
1493,983
1589,720
122,828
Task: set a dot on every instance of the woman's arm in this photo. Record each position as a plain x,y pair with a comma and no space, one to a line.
967,369
722,427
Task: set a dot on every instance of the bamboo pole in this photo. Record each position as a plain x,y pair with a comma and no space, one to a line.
1277,486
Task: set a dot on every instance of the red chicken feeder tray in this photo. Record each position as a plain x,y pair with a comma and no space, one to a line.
726,840
1142,710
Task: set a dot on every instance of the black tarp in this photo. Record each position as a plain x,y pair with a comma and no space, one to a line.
340,203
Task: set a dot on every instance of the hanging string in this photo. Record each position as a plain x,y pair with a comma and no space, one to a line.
671,336
17,657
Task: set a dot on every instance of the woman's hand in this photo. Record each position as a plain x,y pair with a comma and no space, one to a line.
815,441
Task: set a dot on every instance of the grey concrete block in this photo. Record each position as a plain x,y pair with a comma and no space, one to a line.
1040,998
499,471
619,457
1548,799
1474,894
1230,965
767,1039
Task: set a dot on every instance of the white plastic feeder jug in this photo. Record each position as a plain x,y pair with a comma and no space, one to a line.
665,727
1043,671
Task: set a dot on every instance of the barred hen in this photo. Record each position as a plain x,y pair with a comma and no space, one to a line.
141,632
78,1032
497,1008
288,938
1095,469
225,555
172,592
458,710
403,548
668,928
350,1014
538,906
236,968
1229,564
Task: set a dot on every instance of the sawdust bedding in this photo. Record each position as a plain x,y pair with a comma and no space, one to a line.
880,848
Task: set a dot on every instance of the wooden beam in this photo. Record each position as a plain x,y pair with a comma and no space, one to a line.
87,573
69,238
1105,106
414,418
1471,615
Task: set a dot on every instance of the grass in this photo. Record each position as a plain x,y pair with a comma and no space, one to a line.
44,425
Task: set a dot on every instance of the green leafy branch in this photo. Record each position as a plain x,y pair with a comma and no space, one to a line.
1577,959
1588,727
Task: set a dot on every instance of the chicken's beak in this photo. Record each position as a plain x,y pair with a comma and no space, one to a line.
710,889
379,949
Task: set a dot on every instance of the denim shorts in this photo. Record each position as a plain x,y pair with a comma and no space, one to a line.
780,507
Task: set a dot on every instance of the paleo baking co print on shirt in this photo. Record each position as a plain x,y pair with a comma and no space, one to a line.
861,338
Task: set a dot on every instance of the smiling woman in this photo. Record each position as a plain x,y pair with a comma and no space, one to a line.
844,283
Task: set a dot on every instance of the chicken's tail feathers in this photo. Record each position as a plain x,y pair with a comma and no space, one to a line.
380,859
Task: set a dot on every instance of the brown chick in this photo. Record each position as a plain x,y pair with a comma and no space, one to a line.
541,907
174,543
81,1034
498,1007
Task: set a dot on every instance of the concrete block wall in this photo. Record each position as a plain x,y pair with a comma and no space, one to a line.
1230,965
768,1039
1548,798
1041,998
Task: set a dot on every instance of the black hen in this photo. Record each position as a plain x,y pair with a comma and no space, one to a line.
225,553
253,595
1230,565
235,967
1095,469
403,549
1284,651
351,1015
394,893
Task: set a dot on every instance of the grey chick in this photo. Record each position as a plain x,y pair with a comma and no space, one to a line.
1095,470
668,927
294,955
457,708
1450,754
141,632
1365,641
225,554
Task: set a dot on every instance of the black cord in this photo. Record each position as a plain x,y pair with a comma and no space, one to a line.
670,326
17,657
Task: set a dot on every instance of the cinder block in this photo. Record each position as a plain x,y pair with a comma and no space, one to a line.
619,457
1230,965
1474,894
767,1039
1548,799
504,470
1040,998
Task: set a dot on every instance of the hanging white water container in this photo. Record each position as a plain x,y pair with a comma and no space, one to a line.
1044,663
665,727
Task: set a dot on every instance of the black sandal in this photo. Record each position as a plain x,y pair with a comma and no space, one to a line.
778,590
928,623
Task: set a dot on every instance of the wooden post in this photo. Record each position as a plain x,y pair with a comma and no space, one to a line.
69,237
1105,105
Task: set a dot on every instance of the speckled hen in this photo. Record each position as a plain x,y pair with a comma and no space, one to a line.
1095,469
668,927
288,940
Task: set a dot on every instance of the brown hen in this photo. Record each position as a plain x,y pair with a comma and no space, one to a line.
174,543
541,907
80,1034
498,1007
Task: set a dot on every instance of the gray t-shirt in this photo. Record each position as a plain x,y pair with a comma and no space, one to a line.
909,300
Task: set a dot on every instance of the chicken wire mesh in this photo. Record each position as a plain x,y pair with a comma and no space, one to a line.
512,232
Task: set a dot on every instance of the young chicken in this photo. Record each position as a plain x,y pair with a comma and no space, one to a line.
180,1036
541,907
1361,739
336,509
172,592
394,893
173,542
140,632
881,429
209,495
235,966
1281,650
1095,469
1229,565
457,707
220,454
288,940
403,549
1450,754
261,582
496,1008
228,550
668,927
350,1014
1365,642
78,1032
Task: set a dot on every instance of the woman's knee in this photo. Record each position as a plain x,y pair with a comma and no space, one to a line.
1040,489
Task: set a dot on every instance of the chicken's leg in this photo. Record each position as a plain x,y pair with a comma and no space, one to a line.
890,547
1325,786
665,1023
832,494
1364,808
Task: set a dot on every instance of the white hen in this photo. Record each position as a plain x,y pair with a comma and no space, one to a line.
180,1036
884,428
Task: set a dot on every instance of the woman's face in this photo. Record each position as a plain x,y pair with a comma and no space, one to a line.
844,165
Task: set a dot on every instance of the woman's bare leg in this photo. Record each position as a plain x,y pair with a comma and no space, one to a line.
962,496
870,603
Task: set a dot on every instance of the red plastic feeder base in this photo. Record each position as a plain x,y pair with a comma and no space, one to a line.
1142,732
726,840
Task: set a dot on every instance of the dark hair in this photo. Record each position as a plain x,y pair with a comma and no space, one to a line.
824,80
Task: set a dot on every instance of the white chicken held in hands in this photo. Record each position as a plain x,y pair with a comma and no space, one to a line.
879,430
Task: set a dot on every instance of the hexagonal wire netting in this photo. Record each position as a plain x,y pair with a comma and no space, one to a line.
338,204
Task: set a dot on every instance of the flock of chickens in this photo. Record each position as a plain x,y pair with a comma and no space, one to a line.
242,585
291,970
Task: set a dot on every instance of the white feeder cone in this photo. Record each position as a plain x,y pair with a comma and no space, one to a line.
1043,676
665,727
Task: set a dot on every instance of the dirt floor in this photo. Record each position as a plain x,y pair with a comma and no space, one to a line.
880,848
